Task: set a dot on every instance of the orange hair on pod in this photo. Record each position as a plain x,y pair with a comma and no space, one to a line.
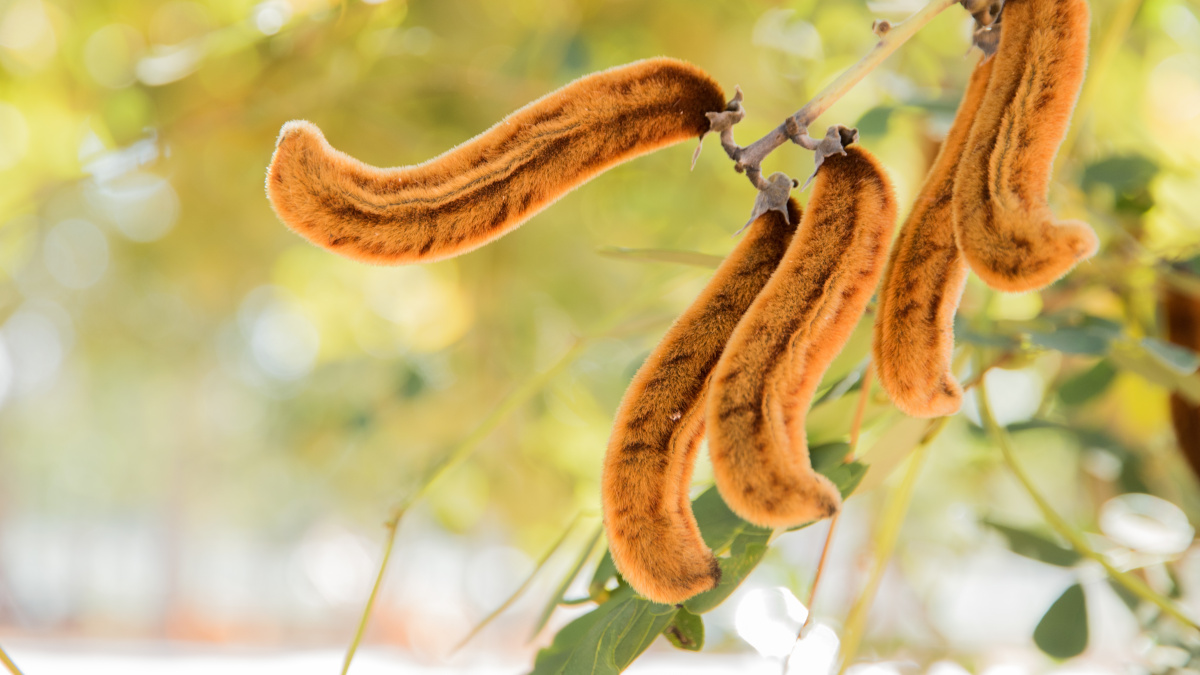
652,533
765,380
923,284
1003,225
492,183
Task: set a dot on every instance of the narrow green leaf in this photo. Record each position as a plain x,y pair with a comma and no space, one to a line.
1063,630
1183,360
686,631
1089,384
559,592
1135,357
1035,545
1073,340
562,538
964,333
692,258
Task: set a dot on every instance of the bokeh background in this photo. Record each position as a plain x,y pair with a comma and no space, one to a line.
205,421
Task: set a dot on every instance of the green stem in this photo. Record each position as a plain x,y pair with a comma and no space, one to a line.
8,663
456,456
1063,528
522,588
885,544
391,526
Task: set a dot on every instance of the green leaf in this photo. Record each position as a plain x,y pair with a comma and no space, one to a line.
686,631
1036,546
847,477
1183,360
1124,173
963,333
606,640
746,552
828,455
1128,176
718,525
1073,340
1063,630
874,122
692,258
1089,384
1135,357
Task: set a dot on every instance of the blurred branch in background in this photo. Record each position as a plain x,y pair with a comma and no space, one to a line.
8,663
1063,528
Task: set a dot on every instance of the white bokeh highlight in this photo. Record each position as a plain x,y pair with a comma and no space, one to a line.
1147,524
769,620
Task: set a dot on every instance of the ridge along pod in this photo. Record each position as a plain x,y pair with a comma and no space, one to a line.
765,380
914,326
1002,223
652,534
489,185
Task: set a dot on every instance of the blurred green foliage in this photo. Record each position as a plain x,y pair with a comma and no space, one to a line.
170,351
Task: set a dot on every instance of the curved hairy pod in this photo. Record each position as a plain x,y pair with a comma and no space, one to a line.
923,284
1004,227
489,185
652,533
765,380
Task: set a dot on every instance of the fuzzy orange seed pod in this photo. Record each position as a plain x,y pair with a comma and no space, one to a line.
765,380
1003,225
652,533
914,326
492,183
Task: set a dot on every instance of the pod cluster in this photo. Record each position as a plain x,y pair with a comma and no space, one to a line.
983,205
742,363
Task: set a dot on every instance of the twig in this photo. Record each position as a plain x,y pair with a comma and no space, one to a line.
455,457
459,453
795,128
8,663
886,540
520,589
1063,528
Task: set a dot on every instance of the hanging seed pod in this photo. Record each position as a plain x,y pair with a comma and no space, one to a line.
1003,225
489,185
652,533
763,385
914,325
